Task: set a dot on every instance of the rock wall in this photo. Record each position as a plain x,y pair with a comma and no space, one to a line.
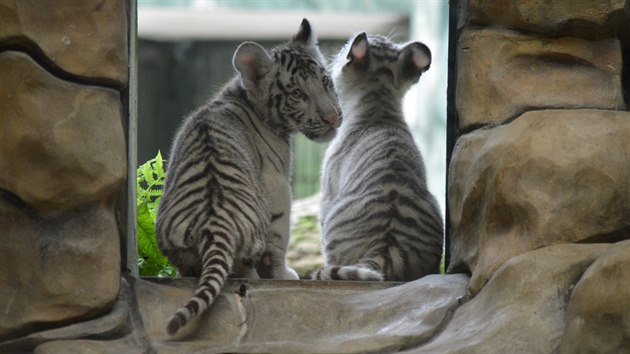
541,160
63,76
542,151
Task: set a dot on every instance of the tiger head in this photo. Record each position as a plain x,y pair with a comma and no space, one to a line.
291,85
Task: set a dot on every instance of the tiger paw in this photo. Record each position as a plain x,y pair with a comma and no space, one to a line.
288,274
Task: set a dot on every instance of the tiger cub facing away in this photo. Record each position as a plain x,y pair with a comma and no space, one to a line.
378,220
226,202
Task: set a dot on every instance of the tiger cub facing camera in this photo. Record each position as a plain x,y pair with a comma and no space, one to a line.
378,220
226,203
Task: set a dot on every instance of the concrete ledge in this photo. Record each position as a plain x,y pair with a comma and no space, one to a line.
303,316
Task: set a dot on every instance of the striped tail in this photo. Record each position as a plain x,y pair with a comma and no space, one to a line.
217,263
349,272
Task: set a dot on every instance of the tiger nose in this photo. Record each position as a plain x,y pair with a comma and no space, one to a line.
333,120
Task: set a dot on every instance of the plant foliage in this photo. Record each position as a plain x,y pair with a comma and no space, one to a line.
150,184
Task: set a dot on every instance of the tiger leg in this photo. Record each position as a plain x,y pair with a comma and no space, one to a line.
273,261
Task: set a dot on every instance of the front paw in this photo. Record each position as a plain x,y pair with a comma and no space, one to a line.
287,274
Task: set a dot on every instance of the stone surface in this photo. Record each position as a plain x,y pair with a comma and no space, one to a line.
91,346
598,319
590,19
61,144
86,38
502,74
109,325
55,269
307,316
523,307
549,177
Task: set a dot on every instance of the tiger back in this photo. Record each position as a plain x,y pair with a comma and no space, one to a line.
226,203
378,220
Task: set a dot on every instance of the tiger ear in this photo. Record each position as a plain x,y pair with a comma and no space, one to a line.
252,62
414,60
305,35
358,53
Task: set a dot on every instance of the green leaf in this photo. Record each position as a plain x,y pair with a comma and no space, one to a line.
150,184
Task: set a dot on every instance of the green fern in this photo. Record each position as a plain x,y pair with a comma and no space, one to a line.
150,184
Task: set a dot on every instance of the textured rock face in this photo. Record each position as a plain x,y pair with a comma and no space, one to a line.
555,299
503,74
85,38
62,144
589,19
308,317
598,319
522,309
272,317
540,162
63,66
55,269
548,177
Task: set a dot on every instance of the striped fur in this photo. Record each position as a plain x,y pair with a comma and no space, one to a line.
378,220
226,202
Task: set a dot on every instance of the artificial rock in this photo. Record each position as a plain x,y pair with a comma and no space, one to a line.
86,38
598,319
589,19
61,144
267,316
523,307
548,177
55,269
503,74
306,316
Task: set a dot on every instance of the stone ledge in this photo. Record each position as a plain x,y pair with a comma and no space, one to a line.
305,316
234,284
522,309
273,316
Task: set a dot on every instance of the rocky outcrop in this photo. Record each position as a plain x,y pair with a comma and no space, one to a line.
523,307
265,316
63,143
63,161
309,316
555,299
599,310
55,269
540,152
591,19
525,185
85,39
503,74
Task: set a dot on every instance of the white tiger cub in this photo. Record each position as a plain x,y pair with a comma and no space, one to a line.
227,197
378,220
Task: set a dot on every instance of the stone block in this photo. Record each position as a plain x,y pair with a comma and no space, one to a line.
113,324
306,316
91,346
598,319
502,74
87,38
55,269
548,177
582,18
522,309
61,144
